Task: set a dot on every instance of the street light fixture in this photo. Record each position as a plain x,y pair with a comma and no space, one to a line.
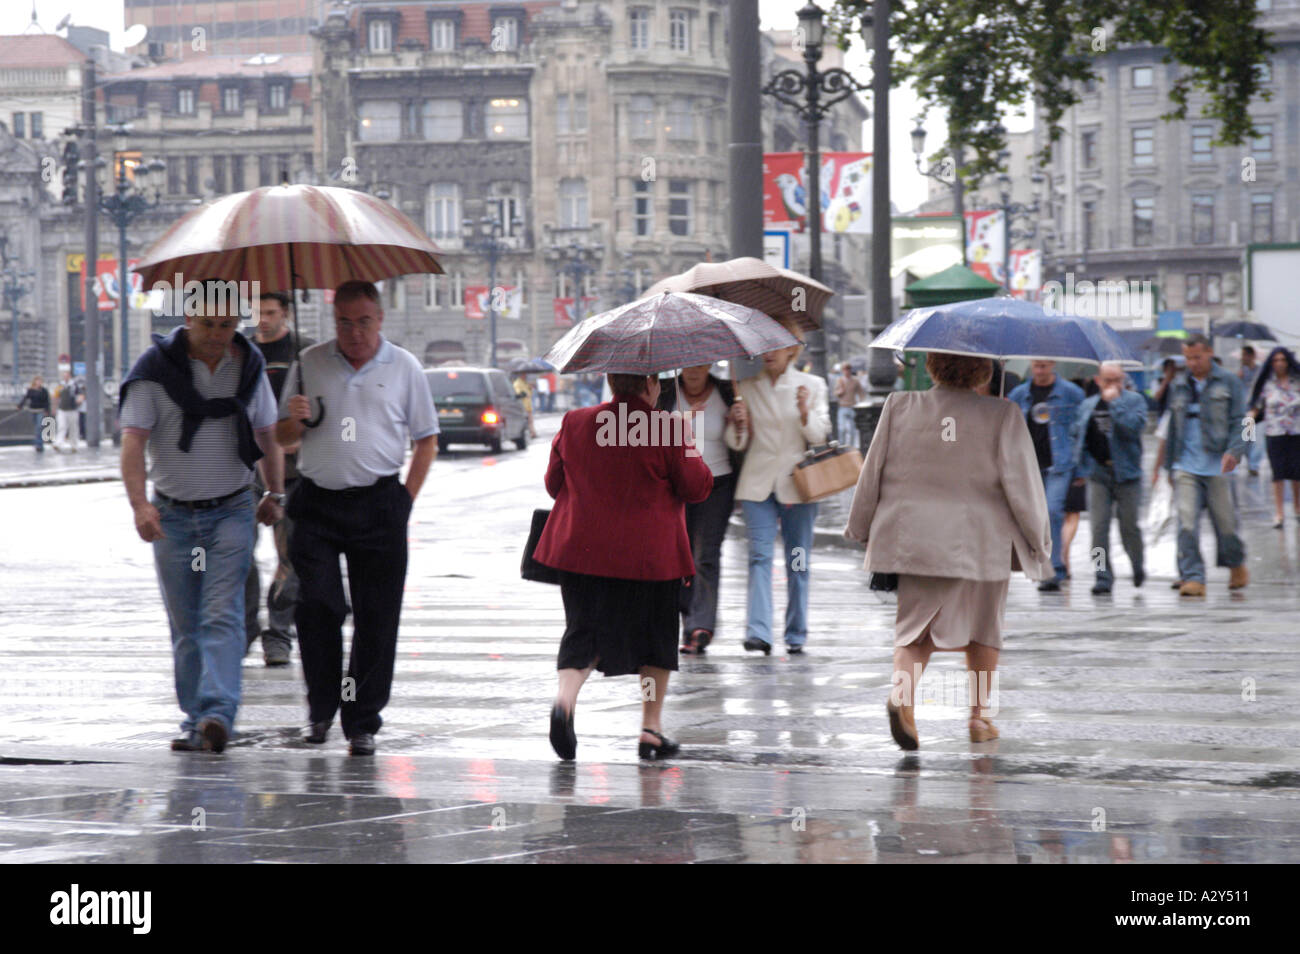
1016,210
17,283
486,236
124,205
576,260
947,171
811,94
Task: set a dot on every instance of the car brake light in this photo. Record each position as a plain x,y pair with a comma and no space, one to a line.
491,417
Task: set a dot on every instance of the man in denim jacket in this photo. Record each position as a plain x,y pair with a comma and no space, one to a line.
1107,441
1206,441
1049,404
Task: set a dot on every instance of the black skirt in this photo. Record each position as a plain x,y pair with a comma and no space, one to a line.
621,625
1284,456
1076,499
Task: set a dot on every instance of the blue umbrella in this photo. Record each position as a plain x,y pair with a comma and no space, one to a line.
531,366
1006,328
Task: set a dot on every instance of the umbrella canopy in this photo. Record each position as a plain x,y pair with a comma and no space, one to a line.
666,331
1251,330
531,366
756,284
291,236
1164,344
1006,328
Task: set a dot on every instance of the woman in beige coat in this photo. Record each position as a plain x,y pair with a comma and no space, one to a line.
950,499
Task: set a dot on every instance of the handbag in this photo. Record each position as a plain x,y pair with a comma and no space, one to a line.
826,470
883,582
529,568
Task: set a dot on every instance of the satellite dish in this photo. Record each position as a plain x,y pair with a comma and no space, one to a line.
135,35
67,19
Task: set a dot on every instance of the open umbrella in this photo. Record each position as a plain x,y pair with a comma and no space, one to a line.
291,237
1006,328
531,366
1164,344
755,283
665,331
1251,330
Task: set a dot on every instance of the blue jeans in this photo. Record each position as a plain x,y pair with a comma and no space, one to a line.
202,562
1254,452
848,427
38,422
796,523
1192,494
1056,487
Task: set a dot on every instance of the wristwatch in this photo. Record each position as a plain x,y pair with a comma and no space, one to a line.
278,498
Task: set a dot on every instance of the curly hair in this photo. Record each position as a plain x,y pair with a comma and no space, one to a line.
958,370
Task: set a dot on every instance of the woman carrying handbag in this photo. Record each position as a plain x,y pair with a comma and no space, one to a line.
617,536
779,415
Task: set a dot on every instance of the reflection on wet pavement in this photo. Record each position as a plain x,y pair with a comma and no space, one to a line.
1136,728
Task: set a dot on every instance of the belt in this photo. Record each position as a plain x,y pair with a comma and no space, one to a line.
351,491
199,504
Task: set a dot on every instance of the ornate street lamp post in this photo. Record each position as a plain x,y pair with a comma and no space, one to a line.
486,236
124,205
811,94
1017,210
948,171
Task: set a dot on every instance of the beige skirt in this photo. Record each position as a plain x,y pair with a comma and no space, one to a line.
958,612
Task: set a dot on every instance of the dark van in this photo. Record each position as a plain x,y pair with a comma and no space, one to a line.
477,406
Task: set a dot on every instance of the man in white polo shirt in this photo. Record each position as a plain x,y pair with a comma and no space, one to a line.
373,399
200,401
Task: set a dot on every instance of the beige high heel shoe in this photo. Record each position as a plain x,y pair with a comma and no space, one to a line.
982,730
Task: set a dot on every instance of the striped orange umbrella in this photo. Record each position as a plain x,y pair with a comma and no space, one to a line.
754,283
291,237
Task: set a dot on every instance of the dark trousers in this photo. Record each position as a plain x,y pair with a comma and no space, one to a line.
367,526
706,525
282,592
1106,496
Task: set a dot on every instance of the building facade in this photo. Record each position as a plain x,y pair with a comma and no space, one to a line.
1138,198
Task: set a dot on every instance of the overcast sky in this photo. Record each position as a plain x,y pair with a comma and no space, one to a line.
907,189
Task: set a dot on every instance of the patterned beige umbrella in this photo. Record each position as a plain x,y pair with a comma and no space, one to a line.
288,237
756,284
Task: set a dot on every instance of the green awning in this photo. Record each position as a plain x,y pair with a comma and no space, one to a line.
955,283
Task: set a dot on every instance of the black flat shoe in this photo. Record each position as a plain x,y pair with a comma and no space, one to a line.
794,650
702,639
563,739
363,743
757,645
317,733
1099,589
666,747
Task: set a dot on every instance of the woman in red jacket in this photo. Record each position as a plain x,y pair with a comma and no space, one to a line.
621,480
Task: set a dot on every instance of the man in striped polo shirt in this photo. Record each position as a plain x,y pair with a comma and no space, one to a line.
349,501
200,401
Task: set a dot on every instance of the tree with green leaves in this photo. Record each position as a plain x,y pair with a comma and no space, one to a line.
974,58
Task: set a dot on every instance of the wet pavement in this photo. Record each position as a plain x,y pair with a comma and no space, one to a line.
1134,727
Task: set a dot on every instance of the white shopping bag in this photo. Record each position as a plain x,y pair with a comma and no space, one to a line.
1160,511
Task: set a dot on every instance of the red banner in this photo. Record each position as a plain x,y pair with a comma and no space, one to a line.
845,183
106,282
565,310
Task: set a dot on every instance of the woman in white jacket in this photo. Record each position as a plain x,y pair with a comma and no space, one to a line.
775,418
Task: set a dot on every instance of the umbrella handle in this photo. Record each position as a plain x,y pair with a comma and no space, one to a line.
315,422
